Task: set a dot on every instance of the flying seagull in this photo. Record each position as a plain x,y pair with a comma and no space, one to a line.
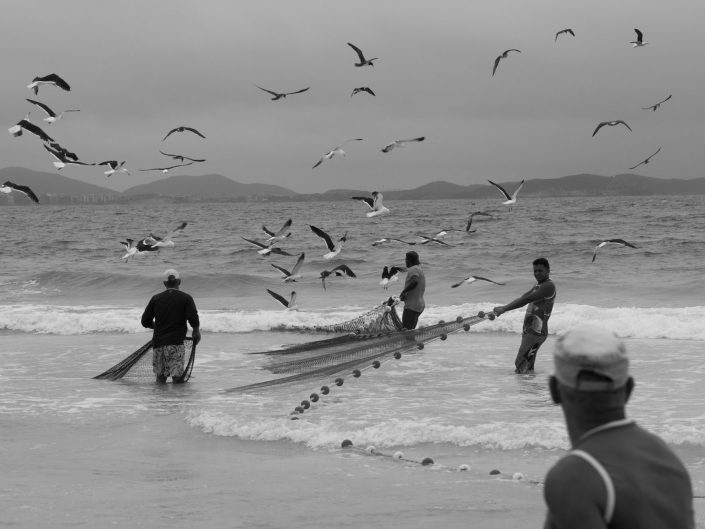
511,199
265,249
9,187
639,42
362,89
182,158
504,55
51,115
115,167
280,234
158,242
363,61
64,152
391,239
290,304
655,107
169,168
25,124
647,160
473,215
374,203
566,31
339,271
472,279
183,129
334,249
618,242
335,151
427,239
401,143
130,249
282,95
52,78
611,124
389,275
62,156
295,272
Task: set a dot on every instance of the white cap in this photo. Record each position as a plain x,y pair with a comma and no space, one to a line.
171,274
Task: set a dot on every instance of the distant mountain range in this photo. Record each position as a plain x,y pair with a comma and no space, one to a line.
54,187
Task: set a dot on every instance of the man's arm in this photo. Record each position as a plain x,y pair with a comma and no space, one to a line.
148,315
194,321
545,290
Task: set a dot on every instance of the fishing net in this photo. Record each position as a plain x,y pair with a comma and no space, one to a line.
138,366
334,356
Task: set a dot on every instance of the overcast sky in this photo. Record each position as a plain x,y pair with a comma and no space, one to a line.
140,68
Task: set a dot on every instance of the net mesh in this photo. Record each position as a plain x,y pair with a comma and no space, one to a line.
138,365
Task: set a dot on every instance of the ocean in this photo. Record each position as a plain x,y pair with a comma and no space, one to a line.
70,308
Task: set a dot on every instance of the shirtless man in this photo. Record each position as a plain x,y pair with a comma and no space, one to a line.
540,303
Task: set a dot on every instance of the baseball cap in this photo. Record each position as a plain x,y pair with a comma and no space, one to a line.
593,349
170,275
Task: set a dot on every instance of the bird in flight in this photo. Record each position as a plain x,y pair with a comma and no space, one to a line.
391,239
115,167
511,199
617,242
427,239
611,124
282,95
339,271
564,31
182,158
390,274
473,215
504,55
335,151
400,143
289,304
9,187
362,89
158,242
169,168
363,61
52,116
647,160
25,124
374,203
280,234
63,157
333,249
655,107
183,129
265,249
639,42
295,272
472,279
52,78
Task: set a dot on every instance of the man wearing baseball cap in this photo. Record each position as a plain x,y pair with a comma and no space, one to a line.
617,474
167,313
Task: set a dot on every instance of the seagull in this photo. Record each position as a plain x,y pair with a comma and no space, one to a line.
25,124
289,305
400,143
52,117
475,214
295,272
653,108
511,199
427,239
182,129
442,233
334,249
389,275
9,187
619,242
130,249
64,152
639,42
339,271
278,95
647,160
115,167
166,241
363,61
567,30
280,234
335,151
362,89
375,204
265,249
169,168
391,239
504,55
611,124
472,279
62,156
147,245
52,78
182,158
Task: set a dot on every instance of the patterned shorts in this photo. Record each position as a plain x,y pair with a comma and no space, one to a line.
168,360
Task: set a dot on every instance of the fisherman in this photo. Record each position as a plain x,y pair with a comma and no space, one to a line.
412,295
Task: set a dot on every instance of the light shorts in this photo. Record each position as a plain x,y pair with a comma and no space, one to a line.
168,360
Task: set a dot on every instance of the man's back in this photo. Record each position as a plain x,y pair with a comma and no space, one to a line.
167,313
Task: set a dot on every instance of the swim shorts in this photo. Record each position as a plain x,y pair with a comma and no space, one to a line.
168,360
526,357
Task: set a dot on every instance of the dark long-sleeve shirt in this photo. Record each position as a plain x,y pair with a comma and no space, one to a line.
167,313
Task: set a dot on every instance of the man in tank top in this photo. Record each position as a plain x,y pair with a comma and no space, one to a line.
539,301
617,474
414,288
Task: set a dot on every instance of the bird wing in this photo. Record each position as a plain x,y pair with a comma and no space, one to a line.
456,285
23,189
323,235
669,97
195,132
368,90
180,227
405,242
420,138
298,91
599,127
501,189
112,163
621,241
34,129
299,264
496,63
367,200
346,142
358,51
516,191
389,146
58,81
282,270
170,133
45,108
639,35
285,227
624,123
485,279
256,243
637,165
657,151
279,298
345,269
269,91
55,153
